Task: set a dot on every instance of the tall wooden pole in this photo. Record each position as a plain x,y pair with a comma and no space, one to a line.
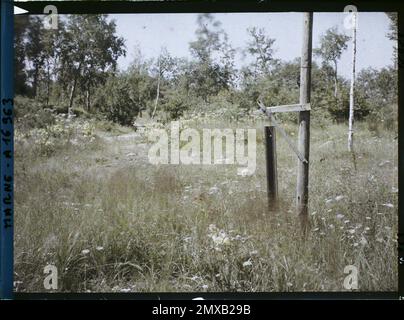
302,190
352,89
272,175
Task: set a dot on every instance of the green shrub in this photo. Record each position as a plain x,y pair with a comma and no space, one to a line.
115,101
30,114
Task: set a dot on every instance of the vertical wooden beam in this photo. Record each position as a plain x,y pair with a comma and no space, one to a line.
352,88
302,190
272,174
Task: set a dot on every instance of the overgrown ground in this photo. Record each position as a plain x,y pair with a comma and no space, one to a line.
109,221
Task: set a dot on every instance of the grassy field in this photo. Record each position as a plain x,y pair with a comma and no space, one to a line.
110,221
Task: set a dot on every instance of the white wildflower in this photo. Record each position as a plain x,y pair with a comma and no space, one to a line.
340,216
339,198
214,190
247,263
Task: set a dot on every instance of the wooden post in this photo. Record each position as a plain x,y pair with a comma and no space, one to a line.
302,190
272,176
352,88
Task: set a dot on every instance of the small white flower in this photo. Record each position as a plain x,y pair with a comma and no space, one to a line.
247,263
352,231
205,287
340,216
85,251
388,205
214,190
339,198
244,172
99,248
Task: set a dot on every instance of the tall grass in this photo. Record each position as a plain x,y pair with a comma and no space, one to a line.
117,224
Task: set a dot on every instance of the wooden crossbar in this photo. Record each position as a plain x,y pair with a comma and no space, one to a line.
282,131
289,108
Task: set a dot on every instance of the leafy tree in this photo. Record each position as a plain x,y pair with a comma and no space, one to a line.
332,44
21,23
261,48
116,100
89,51
393,34
35,50
165,66
213,69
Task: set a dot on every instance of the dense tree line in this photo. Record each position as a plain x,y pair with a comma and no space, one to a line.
74,70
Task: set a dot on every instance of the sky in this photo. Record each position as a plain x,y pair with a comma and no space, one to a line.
175,31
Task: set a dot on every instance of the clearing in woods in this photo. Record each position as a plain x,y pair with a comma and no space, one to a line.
110,221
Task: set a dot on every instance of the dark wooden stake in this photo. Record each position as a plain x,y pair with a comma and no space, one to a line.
272,175
302,190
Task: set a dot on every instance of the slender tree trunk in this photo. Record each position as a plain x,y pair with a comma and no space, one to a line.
35,82
88,99
158,90
47,84
352,89
72,92
336,80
